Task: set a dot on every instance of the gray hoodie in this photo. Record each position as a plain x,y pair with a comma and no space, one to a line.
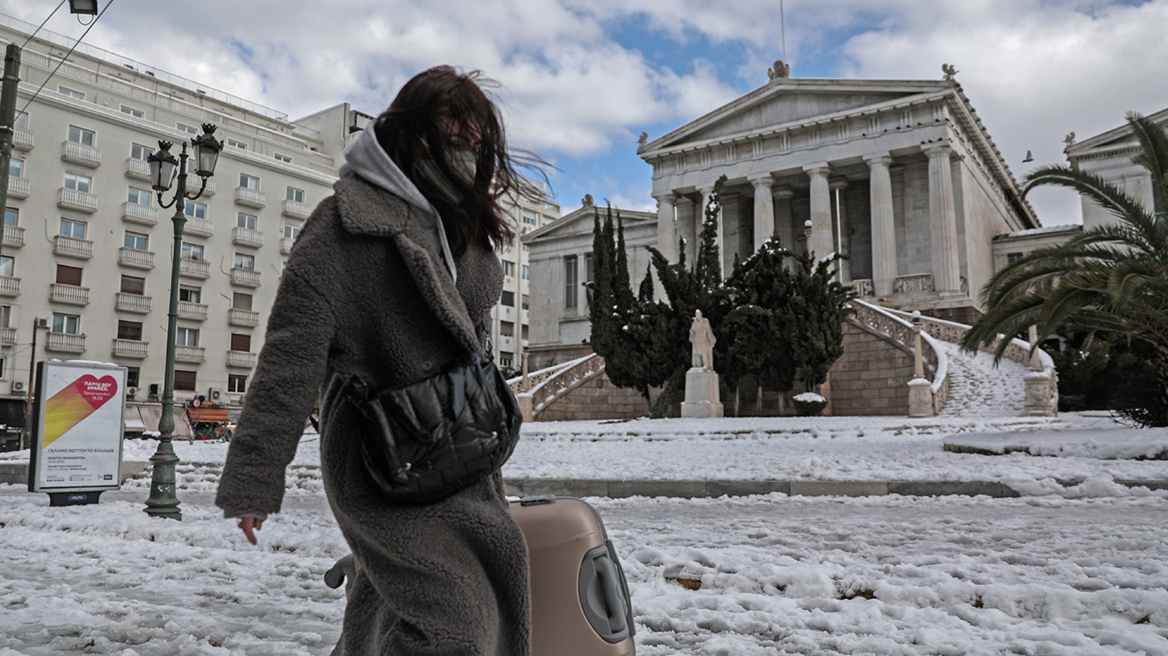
366,159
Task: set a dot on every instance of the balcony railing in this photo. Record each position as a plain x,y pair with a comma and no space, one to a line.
241,359
23,139
245,277
129,348
296,209
72,246
189,353
132,302
9,286
70,294
19,187
71,199
286,244
194,268
247,237
250,197
199,227
135,213
243,317
135,258
13,236
7,336
196,311
138,169
66,342
81,154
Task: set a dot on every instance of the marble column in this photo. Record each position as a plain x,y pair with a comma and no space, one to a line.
667,226
764,210
883,225
784,222
843,240
943,221
821,233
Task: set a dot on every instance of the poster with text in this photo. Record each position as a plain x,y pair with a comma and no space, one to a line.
79,422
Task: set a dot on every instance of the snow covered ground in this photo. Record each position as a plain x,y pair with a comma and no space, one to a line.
1078,569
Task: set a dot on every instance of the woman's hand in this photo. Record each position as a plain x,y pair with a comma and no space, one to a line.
250,524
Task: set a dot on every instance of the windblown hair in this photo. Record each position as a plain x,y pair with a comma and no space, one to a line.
412,129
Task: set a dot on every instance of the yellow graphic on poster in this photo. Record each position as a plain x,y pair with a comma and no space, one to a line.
75,402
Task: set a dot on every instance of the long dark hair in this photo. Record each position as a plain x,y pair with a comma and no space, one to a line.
412,129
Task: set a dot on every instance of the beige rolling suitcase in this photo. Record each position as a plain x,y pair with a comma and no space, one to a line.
579,597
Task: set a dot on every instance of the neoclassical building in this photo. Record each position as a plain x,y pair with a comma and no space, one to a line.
899,175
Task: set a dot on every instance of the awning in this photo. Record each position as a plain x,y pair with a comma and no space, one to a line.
208,415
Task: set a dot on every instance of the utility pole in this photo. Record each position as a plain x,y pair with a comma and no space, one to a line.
8,119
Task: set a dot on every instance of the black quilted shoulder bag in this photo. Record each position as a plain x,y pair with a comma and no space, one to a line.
426,441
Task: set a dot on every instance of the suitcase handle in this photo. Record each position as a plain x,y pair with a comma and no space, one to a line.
613,598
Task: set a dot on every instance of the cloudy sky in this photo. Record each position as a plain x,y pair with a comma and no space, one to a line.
581,79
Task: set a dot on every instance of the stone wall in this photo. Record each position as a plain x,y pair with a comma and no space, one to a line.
871,377
596,399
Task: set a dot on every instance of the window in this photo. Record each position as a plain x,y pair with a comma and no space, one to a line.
190,294
138,151
131,330
66,91
245,261
526,248
137,241
136,113
588,267
528,218
6,266
249,181
68,275
571,284
283,158
505,358
195,210
192,251
526,301
133,285
77,182
5,316
139,197
241,343
15,168
237,384
81,135
295,194
74,229
184,381
291,231
507,328
11,214
245,221
526,272
66,323
1013,257
132,377
508,268
524,332
187,128
235,143
240,301
186,337
508,299
22,120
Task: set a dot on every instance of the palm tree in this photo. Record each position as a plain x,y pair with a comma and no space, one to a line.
1110,279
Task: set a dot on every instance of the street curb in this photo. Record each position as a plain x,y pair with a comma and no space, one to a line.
521,487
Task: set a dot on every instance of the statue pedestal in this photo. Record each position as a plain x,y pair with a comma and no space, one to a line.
1041,395
701,394
920,398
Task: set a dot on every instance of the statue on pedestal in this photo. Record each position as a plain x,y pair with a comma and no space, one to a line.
701,381
703,340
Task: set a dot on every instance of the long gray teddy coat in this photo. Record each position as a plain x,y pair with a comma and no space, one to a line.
363,293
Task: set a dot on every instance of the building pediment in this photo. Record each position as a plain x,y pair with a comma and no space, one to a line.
580,222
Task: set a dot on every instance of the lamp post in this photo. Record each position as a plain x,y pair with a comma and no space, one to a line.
163,502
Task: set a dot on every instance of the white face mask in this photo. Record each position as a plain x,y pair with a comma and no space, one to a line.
463,163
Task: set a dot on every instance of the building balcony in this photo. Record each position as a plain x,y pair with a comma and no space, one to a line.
250,197
19,187
66,343
241,359
194,268
81,154
245,277
133,257
286,244
296,210
71,294
135,213
196,311
72,247
243,317
130,348
189,353
247,237
201,227
9,286
132,302
23,139
80,201
7,336
13,236
139,169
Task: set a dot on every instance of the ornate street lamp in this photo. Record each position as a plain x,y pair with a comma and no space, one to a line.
163,502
